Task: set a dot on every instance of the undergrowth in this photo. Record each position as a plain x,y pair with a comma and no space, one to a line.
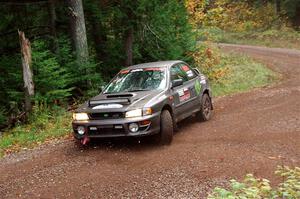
279,38
231,72
256,188
243,74
45,124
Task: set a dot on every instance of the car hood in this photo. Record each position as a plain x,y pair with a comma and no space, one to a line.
119,102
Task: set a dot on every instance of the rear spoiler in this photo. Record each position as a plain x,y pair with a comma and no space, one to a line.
109,101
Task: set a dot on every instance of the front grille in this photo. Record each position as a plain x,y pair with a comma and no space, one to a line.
104,130
102,116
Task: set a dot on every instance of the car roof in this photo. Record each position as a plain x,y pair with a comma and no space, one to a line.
155,64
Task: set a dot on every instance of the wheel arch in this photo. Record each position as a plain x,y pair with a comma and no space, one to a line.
169,108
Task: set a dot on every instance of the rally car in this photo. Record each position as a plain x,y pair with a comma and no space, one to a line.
145,99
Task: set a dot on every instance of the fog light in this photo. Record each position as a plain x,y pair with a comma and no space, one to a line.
81,130
133,127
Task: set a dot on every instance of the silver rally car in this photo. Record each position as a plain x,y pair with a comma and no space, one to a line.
145,99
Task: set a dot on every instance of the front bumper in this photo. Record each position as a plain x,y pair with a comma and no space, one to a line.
107,128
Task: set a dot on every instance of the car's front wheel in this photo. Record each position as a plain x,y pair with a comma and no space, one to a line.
166,128
205,112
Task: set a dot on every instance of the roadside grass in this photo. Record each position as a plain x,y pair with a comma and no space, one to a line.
243,74
46,123
276,38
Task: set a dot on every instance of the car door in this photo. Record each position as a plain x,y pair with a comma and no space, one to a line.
192,84
184,94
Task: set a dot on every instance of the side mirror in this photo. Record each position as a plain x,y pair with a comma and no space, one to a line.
101,88
177,82
197,71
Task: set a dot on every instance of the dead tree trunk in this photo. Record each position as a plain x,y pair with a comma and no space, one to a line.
27,72
78,31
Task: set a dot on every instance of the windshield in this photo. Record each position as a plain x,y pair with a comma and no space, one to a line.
138,80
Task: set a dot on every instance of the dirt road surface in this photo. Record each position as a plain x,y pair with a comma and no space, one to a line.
250,133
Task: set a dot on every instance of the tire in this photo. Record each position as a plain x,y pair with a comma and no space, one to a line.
205,112
165,136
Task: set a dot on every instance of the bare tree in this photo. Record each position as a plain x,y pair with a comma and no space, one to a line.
27,72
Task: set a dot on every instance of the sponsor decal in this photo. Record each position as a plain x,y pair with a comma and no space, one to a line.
203,79
184,94
185,68
108,106
197,87
124,71
137,70
189,73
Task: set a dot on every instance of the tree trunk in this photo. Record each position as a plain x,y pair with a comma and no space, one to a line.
128,46
78,31
278,7
297,18
52,24
27,72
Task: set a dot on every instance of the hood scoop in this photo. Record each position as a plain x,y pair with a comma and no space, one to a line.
119,96
124,101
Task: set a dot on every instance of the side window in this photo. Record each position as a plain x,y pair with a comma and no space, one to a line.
189,72
178,73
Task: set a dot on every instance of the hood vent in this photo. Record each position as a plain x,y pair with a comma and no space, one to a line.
118,96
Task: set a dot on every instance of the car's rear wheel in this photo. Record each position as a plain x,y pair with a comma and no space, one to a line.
205,112
165,136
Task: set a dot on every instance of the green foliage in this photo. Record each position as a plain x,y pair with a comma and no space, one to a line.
290,8
163,32
52,81
257,188
237,16
45,123
242,74
11,87
3,117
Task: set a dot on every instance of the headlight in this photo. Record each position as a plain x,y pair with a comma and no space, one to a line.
139,112
80,116
134,113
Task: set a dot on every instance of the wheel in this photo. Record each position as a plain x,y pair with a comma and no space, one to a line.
205,112
165,136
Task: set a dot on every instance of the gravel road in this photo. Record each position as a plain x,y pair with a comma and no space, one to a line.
251,132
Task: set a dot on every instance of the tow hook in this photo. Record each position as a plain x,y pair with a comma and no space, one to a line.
85,140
